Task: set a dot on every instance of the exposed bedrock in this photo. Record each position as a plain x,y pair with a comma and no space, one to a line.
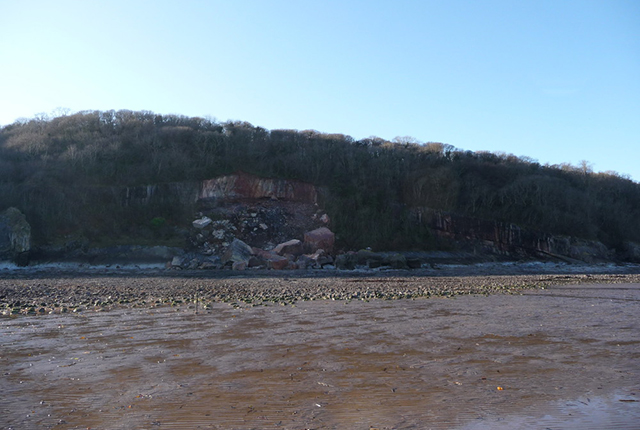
15,237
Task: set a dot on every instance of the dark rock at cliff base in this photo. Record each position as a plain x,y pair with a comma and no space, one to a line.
237,252
293,247
277,262
396,261
320,238
15,237
491,237
369,258
346,261
632,252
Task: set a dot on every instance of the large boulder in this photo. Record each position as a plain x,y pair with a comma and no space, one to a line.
277,262
346,261
632,252
269,259
15,237
293,247
589,251
369,258
396,261
237,252
320,238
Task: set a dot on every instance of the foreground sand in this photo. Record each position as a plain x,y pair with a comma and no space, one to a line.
566,356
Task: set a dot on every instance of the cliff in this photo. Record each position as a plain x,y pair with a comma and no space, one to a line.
236,187
510,240
245,186
15,236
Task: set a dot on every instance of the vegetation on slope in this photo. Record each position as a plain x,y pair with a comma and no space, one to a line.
64,173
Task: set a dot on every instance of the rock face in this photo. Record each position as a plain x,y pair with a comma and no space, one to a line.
167,193
241,186
236,187
633,252
271,214
494,237
15,237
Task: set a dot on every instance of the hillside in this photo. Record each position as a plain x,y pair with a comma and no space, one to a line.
66,175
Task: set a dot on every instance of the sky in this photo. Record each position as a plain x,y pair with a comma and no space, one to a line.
557,81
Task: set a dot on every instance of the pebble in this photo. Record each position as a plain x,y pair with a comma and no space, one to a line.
62,294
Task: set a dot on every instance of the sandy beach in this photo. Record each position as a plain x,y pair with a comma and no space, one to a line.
546,351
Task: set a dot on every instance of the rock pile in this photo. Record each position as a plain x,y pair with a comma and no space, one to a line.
258,233
238,255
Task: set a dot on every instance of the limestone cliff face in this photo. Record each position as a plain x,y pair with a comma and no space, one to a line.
244,186
174,192
238,186
262,212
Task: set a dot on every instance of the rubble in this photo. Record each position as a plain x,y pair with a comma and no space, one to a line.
202,222
247,222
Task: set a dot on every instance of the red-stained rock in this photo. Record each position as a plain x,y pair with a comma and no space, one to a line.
268,258
277,262
320,238
256,262
261,253
244,186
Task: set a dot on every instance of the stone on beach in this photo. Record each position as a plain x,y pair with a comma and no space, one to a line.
293,247
320,238
237,251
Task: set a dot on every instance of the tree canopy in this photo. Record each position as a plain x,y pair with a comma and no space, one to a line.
62,173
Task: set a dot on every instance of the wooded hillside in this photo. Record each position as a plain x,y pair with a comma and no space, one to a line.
63,173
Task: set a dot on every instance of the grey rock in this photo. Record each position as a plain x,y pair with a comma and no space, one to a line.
239,265
177,262
293,247
210,265
202,222
369,258
256,262
306,262
632,251
15,236
396,261
346,262
237,251
414,263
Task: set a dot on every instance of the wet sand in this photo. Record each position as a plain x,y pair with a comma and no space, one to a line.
563,357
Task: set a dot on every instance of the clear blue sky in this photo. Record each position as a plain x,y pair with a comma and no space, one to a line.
558,81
